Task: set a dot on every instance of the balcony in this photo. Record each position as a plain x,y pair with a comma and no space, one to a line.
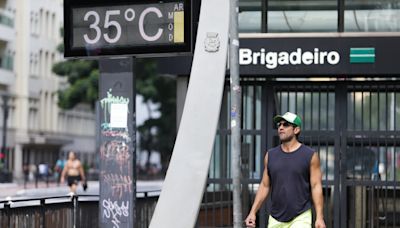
7,32
6,62
6,19
6,70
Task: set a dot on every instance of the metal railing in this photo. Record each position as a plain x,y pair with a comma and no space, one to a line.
66,211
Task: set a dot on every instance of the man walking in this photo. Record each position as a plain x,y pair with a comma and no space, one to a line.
293,176
74,171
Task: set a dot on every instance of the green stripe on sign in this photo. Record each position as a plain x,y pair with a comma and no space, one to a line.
362,55
362,59
362,51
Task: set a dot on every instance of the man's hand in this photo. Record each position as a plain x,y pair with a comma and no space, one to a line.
319,223
251,220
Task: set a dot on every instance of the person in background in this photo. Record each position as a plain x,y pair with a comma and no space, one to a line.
73,170
43,171
25,169
292,175
59,168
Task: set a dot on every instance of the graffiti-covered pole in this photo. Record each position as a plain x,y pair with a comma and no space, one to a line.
117,203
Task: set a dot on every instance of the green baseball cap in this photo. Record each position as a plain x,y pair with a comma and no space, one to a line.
289,117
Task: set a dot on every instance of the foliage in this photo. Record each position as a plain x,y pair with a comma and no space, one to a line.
82,76
157,133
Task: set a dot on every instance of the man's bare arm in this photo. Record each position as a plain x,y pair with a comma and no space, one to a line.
316,190
262,193
263,189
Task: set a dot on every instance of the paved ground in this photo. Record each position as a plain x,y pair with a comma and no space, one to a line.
12,189
51,189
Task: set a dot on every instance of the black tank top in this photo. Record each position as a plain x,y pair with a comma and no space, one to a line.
289,175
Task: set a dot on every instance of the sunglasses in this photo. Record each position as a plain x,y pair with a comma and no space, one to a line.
285,124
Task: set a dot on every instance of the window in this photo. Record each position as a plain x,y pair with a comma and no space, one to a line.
372,16
302,16
286,16
250,16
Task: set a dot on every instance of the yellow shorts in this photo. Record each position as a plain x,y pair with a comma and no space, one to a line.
303,220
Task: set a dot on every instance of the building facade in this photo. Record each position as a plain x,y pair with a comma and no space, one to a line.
37,131
334,63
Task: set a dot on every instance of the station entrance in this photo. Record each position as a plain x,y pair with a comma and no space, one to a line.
353,125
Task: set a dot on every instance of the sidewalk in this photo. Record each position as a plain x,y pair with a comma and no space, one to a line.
10,189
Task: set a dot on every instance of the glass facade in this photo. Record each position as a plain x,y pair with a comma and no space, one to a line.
284,16
372,16
302,16
250,16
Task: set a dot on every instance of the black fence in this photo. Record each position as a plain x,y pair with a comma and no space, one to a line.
355,128
66,212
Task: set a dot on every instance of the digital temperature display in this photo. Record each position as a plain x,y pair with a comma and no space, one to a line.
95,28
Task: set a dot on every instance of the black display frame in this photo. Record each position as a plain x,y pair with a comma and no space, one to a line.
185,48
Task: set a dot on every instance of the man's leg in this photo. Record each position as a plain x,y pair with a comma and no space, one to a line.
73,188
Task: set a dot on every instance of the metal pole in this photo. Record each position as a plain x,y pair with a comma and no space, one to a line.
42,213
4,142
236,106
7,207
74,214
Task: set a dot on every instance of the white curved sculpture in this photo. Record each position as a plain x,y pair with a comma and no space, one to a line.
184,185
